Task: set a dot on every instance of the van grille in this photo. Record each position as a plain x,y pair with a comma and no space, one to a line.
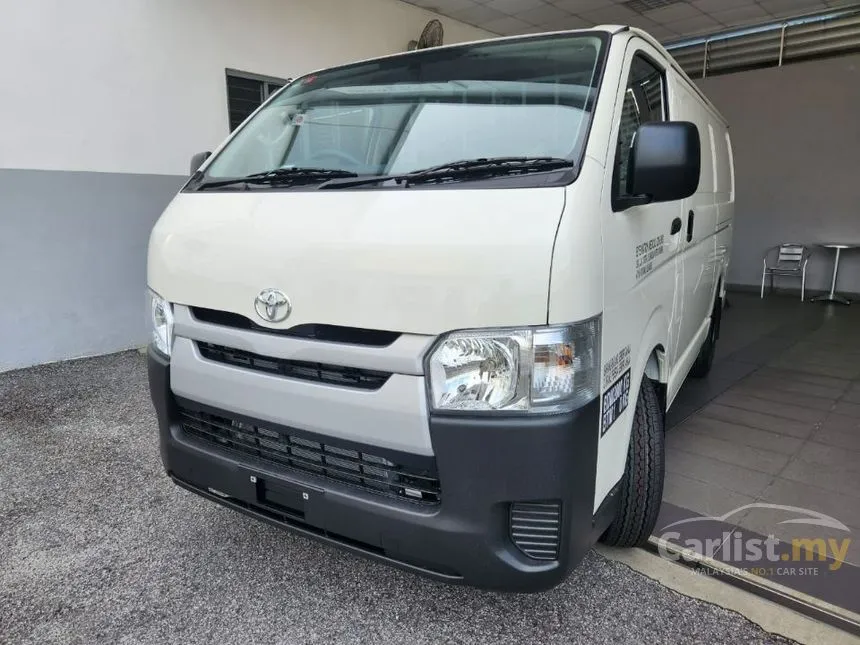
536,528
308,331
344,465
303,370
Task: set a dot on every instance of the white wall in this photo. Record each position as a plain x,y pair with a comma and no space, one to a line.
795,132
137,86
123,92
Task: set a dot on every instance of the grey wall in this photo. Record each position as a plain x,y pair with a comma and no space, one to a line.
796,137
73,262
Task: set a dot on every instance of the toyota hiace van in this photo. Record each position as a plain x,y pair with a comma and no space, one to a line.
433,307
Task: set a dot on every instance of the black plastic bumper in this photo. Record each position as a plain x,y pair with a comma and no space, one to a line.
483,466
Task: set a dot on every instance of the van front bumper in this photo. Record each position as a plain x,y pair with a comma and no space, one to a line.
484,466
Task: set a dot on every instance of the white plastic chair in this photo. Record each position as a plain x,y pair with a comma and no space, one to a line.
791,260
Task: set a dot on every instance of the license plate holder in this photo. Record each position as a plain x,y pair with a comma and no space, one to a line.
283,496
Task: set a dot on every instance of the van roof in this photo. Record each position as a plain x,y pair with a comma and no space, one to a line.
612,30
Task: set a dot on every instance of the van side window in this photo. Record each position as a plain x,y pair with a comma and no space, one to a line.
643,103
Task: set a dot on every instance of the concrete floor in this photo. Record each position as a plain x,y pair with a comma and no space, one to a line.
777,422
97,546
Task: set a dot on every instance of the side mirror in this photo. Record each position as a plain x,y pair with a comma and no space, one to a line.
197,161
665,163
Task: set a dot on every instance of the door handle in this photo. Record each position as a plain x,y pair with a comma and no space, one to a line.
676,226
690,217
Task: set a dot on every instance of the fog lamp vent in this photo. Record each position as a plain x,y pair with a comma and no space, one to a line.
536,528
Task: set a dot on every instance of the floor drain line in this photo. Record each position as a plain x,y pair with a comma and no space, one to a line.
787,597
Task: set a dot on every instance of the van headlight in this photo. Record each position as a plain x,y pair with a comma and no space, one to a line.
534,369
161,321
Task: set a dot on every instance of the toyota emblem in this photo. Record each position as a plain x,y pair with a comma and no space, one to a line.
272,305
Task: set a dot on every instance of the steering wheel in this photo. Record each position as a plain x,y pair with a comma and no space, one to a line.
333,153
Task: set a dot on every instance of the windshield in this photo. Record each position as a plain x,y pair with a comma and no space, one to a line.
525,98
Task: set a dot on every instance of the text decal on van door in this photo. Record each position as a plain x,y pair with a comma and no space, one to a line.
615,401
646,253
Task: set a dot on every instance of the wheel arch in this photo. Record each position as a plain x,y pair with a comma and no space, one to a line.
651,359
655,364
653,355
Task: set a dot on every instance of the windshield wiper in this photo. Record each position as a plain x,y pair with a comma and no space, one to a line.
281,177
491,166
458,170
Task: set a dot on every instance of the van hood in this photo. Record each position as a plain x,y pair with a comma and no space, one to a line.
410,261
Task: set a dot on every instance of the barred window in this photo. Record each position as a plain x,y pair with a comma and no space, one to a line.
246,92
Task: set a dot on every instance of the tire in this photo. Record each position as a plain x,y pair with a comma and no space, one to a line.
705,359
641,488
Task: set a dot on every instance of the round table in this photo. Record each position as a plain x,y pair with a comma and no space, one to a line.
833,296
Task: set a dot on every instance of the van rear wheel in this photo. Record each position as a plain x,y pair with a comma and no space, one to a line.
641,488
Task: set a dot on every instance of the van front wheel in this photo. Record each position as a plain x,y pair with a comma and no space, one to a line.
641,489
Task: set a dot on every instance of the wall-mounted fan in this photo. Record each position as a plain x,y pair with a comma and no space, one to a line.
430,37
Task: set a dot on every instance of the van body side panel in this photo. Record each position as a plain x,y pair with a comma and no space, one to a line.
697,256
724,196
420,262
641,291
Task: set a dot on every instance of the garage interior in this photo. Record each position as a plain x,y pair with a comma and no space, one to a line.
776,422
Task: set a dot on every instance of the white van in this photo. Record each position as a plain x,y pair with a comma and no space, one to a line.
433,307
